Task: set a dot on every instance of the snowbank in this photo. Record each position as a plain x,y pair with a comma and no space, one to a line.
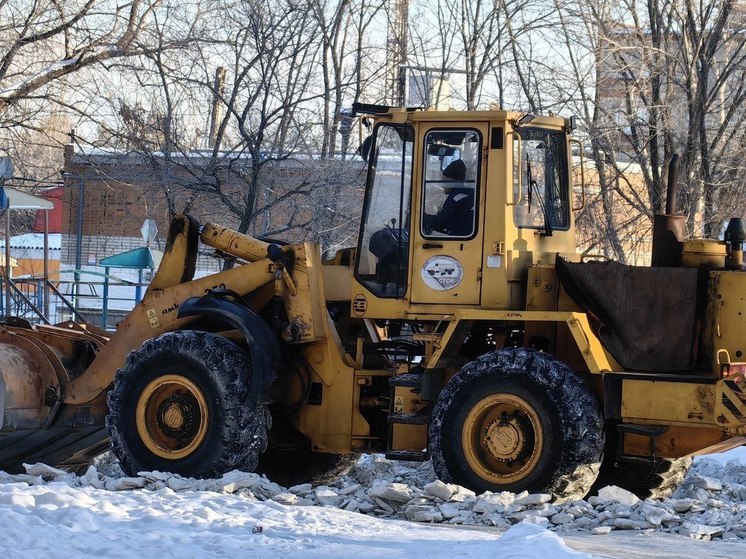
103,513
61,519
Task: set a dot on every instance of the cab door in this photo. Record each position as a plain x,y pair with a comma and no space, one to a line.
447,239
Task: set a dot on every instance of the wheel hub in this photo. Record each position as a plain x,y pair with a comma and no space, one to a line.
177,416
172,416
505,438
502,438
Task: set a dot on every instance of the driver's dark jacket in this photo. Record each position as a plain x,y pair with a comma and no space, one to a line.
456,217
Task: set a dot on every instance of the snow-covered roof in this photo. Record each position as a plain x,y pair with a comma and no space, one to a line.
23,201
34,241
113,156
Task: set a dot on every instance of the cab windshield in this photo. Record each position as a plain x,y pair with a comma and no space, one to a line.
383,244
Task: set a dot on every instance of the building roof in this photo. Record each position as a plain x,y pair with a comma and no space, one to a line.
195,158
23,201
34,241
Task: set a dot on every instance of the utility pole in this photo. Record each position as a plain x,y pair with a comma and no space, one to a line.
216,110
396,53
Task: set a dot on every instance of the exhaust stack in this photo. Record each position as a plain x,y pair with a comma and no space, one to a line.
669,229
735,236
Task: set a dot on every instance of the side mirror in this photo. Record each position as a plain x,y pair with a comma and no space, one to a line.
364,149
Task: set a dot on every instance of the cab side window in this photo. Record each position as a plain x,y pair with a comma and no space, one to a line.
383,243
540,181
450,190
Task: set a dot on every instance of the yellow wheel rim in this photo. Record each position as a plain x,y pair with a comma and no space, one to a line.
172,416
502,439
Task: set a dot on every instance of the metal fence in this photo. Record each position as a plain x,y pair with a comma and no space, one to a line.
93,297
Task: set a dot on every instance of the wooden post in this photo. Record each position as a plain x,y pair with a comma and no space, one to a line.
46,263
7,261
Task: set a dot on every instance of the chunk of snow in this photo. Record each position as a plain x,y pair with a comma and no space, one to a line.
392,491
441,490
614,494
326,496
46,472
533,499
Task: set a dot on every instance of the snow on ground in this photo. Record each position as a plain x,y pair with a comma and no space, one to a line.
49,513
56,520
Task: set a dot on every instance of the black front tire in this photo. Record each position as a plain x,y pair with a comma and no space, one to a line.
515,420
182,403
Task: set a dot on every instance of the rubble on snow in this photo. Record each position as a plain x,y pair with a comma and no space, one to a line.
710,504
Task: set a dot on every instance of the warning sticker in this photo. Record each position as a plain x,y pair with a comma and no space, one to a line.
399,405
442,272
153,318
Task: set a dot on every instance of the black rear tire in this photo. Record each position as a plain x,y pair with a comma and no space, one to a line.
290,459
515,420
656,479
182,403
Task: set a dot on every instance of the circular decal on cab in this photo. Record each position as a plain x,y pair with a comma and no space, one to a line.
442,272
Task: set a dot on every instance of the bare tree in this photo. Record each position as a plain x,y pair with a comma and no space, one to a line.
45,40
259,171
48,51
649,79
342,26
678,72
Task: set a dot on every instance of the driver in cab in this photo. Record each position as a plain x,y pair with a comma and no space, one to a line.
456,216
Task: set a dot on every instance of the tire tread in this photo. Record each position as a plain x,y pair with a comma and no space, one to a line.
243,436
581,420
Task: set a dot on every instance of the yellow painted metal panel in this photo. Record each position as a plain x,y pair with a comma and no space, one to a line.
727,313
467,252
408,437
337,280
668,402
306,307
596,358
329,425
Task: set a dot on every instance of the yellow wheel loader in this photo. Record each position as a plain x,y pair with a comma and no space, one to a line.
464,327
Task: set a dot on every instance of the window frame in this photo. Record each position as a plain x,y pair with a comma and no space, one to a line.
477,186
564,180
370,175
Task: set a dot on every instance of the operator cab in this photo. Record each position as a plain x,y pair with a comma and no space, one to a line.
441,226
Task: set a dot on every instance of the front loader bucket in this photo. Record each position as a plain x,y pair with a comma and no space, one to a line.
34,426
25,376
71,447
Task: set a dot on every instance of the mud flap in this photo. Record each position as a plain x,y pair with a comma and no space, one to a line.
263,344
